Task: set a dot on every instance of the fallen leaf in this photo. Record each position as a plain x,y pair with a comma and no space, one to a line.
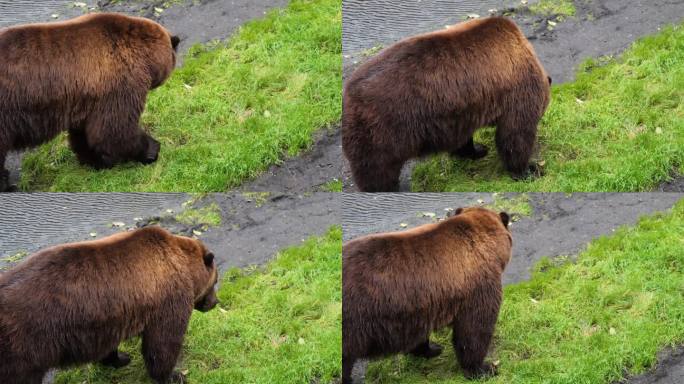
196,232
658,131
612,331
301,341
93,234
552,23
118,224
403,225
429,214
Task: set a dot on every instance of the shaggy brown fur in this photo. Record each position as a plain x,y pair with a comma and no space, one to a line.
431,92
89,76
74,303
399,287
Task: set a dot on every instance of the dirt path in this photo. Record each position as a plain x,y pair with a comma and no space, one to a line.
560,225
602,27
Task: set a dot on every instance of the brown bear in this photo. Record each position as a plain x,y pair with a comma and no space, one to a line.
74,303
399,287
430,93
89,76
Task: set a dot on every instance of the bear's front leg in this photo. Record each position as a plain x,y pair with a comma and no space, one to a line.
162,341
116,359
471,150
473,330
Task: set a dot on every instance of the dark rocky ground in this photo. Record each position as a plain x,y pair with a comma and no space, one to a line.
601,28
560,225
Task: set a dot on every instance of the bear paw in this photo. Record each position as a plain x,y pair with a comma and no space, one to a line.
532,171
485,370
177,378
152,152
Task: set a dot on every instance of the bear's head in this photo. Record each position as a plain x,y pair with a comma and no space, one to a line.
203,273
484,213
206,300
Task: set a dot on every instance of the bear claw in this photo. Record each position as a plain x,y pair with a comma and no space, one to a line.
485,370
533,171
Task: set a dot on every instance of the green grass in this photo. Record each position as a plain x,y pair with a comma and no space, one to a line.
593,321
209,214
334,185
277,325
228,113
553,7
618,127
518,205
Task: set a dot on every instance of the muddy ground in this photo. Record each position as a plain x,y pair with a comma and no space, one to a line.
601,28
560,225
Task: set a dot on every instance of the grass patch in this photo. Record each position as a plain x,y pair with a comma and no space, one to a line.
10,261
553,7
334,185
618,127
209,215
586,322
280,324
228,113
517,206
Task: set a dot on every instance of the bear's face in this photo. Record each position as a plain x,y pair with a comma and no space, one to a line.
207,299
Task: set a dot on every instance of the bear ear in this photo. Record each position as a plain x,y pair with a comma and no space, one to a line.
208,259
550,80
455,212
504,218
175,40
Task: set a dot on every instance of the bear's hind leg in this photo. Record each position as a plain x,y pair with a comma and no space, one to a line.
473,330
516,136
162,341
116,359
471,150
427,350
377,175
347,368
